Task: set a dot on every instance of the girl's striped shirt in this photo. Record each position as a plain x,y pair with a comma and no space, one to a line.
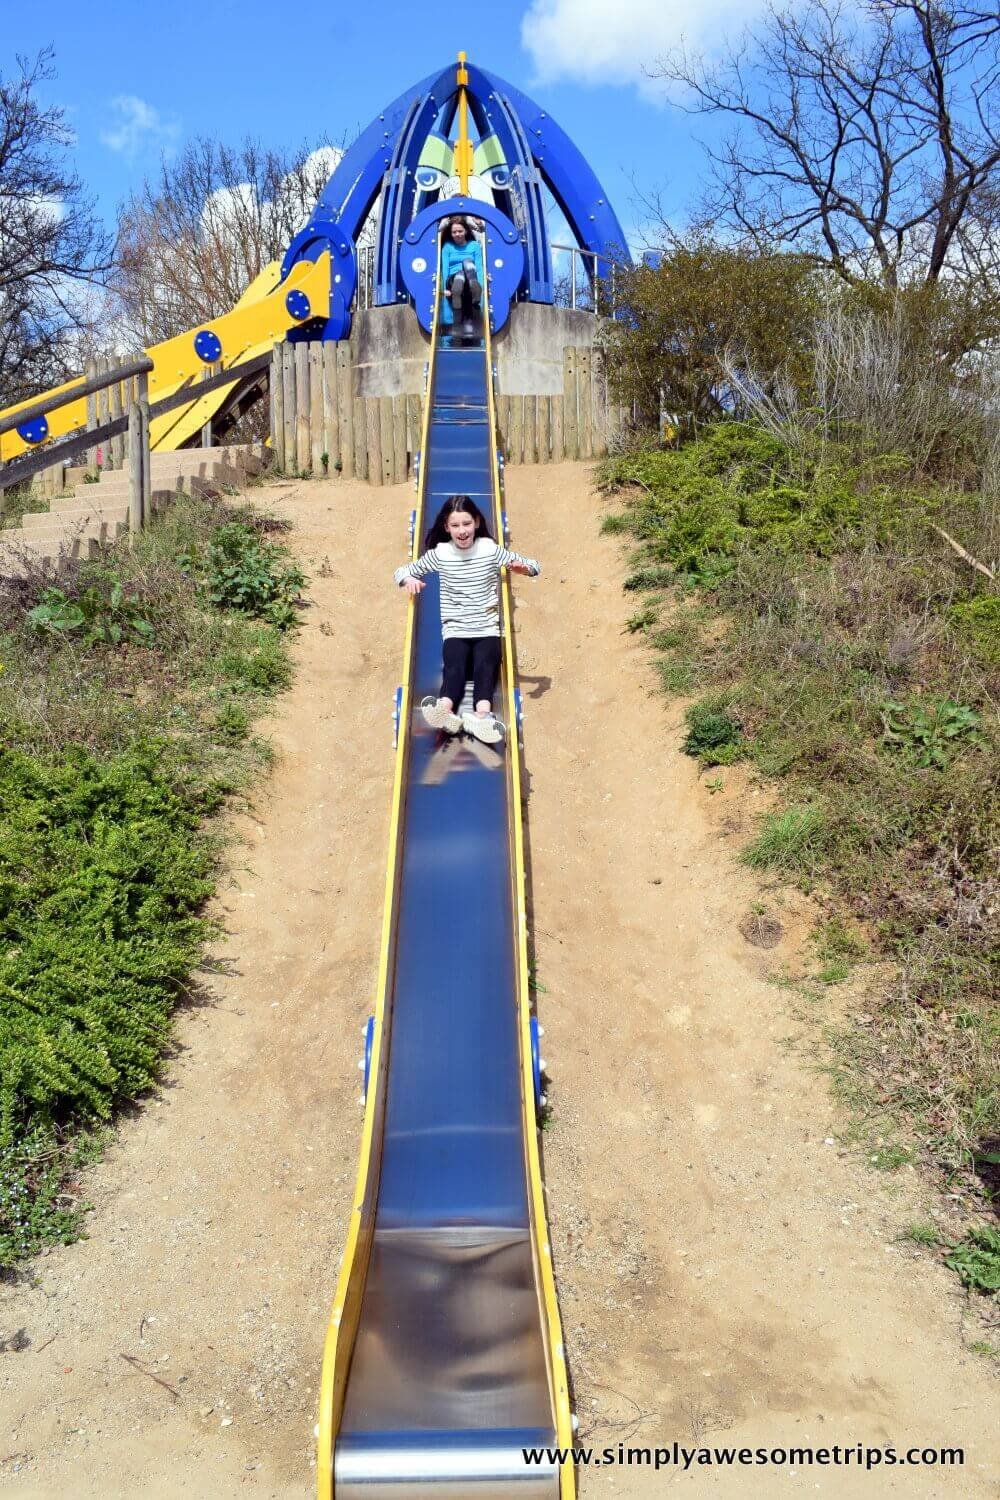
470,598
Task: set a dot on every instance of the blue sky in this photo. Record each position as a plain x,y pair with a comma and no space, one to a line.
138,79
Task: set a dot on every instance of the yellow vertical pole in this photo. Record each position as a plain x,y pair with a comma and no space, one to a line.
463,146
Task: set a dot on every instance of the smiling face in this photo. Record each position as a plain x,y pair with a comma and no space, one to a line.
462,529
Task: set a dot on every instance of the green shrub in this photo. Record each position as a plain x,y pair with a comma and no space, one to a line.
240,570
101,877
261,666
714,735
977,622
740,488
100,613
703,301
976,1258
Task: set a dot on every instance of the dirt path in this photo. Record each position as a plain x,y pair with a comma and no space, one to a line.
725,1274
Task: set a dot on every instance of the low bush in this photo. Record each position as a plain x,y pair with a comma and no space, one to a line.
118,743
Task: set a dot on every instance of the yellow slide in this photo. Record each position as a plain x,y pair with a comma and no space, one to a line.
260,318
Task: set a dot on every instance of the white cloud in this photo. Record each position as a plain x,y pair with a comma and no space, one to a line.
584,40
138,125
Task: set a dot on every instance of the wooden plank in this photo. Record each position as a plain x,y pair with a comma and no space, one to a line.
503,410
362,449
516,421
288,404
345,406
331,411
530,437
386,439
303,447
544,420
317,445
571,446
277,409
556,428
599,410
90,370
585,403
374,429
398,439
115,410
135,506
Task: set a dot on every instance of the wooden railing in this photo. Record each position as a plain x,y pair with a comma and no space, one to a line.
118,408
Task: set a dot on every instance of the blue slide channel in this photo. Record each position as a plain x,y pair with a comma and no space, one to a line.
448,1379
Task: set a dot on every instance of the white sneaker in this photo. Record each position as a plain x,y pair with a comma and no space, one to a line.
439,717
485,727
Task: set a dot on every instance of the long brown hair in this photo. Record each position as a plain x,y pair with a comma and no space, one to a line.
439,530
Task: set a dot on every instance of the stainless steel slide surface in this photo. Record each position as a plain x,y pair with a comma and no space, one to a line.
448,1380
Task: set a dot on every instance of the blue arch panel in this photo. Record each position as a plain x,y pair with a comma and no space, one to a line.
537,150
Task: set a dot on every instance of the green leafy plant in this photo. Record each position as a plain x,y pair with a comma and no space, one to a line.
929,734
242,571
921,1234
99,614
976,1258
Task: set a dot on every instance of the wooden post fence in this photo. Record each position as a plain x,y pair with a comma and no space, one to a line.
316,414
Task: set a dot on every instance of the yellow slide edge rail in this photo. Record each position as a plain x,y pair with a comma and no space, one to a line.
343,1325
541,1244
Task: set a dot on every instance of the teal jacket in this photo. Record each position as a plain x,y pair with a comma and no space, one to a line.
451,263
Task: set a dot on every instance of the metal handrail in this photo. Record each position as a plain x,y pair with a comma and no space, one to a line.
591,261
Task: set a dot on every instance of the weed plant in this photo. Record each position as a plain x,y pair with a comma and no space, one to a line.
828,633
127,697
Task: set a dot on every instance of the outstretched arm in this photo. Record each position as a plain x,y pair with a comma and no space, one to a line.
518,564
410,574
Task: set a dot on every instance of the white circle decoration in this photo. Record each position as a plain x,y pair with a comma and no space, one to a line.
498,262
419,264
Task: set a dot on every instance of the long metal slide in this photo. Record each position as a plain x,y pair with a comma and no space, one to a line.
444,1356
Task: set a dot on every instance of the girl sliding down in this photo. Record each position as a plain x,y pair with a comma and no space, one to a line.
460,549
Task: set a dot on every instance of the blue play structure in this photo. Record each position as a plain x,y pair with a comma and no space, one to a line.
521,150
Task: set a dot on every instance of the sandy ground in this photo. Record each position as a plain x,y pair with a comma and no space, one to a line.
727,1275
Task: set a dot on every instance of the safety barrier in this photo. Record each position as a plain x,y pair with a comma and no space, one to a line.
117,400
319,425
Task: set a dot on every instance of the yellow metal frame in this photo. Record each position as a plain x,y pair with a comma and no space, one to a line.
541,1245
177,427
343,1324
259,321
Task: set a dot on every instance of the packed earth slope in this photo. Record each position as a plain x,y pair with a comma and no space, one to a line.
727,1275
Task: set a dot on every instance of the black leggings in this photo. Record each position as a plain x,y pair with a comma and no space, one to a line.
465,293
483,656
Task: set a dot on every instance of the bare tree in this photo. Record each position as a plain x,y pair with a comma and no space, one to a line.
190,242
868,136
51,242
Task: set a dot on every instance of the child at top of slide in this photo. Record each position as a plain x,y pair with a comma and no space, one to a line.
461,551
461,274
